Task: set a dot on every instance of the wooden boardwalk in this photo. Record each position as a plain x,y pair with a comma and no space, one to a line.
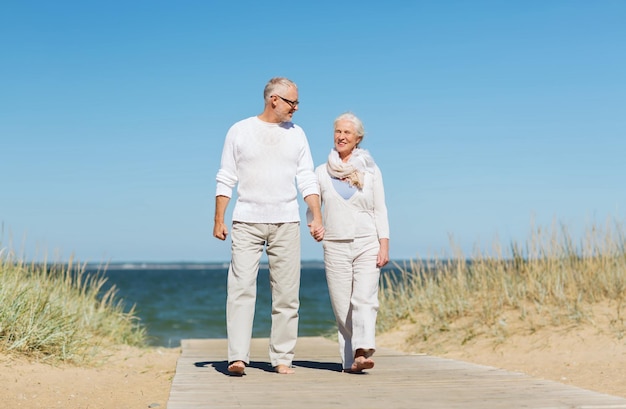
398,381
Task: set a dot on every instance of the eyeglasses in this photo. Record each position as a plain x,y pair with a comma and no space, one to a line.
292,104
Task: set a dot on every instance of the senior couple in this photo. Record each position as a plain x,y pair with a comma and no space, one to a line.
268,158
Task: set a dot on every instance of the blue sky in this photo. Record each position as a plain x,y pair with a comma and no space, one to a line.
485,117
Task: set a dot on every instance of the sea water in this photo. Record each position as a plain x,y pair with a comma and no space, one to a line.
188,300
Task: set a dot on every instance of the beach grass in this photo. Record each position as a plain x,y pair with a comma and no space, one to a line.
58,312
549,281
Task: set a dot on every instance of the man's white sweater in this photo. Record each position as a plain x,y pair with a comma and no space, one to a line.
269,163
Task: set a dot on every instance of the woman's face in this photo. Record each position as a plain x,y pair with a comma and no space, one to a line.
345,138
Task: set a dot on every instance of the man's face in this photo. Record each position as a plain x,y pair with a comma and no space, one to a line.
286,104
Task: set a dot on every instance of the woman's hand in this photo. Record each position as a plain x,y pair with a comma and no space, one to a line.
383,253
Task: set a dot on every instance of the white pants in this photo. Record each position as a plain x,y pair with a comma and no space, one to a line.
283,252
353,278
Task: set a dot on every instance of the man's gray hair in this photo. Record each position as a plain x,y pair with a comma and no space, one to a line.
278,85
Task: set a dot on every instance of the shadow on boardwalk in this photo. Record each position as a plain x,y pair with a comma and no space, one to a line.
398,381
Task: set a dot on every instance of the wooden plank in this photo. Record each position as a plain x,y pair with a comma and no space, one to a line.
398,381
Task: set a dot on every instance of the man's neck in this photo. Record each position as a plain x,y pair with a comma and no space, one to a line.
268,116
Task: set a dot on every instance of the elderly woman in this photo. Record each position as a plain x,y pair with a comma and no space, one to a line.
356,240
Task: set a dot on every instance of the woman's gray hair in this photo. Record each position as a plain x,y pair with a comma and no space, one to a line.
358,125
277,84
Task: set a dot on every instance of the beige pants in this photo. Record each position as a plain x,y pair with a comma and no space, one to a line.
353,279
283,252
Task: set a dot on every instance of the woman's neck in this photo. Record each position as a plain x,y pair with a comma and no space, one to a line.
345,158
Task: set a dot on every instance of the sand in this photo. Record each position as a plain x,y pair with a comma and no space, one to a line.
591,355
126,378
141,378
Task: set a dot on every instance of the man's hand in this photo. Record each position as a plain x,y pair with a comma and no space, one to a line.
220,231
315,208
317,230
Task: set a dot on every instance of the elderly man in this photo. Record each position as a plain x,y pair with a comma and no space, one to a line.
268,158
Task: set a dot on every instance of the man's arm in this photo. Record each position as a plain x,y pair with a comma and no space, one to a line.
220,231
315,227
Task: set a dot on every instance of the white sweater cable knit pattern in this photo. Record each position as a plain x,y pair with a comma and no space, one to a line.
269,163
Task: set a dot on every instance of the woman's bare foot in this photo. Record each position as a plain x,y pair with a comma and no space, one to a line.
361,363
237,368
284,369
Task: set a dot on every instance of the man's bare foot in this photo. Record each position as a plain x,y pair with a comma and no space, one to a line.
284,369
237,368
361,363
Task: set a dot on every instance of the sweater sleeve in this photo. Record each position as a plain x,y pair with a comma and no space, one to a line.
380,208
305,175
227,174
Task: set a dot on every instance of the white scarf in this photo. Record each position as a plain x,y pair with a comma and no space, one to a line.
353,171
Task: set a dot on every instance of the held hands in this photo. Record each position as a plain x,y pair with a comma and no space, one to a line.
314,215
317,230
